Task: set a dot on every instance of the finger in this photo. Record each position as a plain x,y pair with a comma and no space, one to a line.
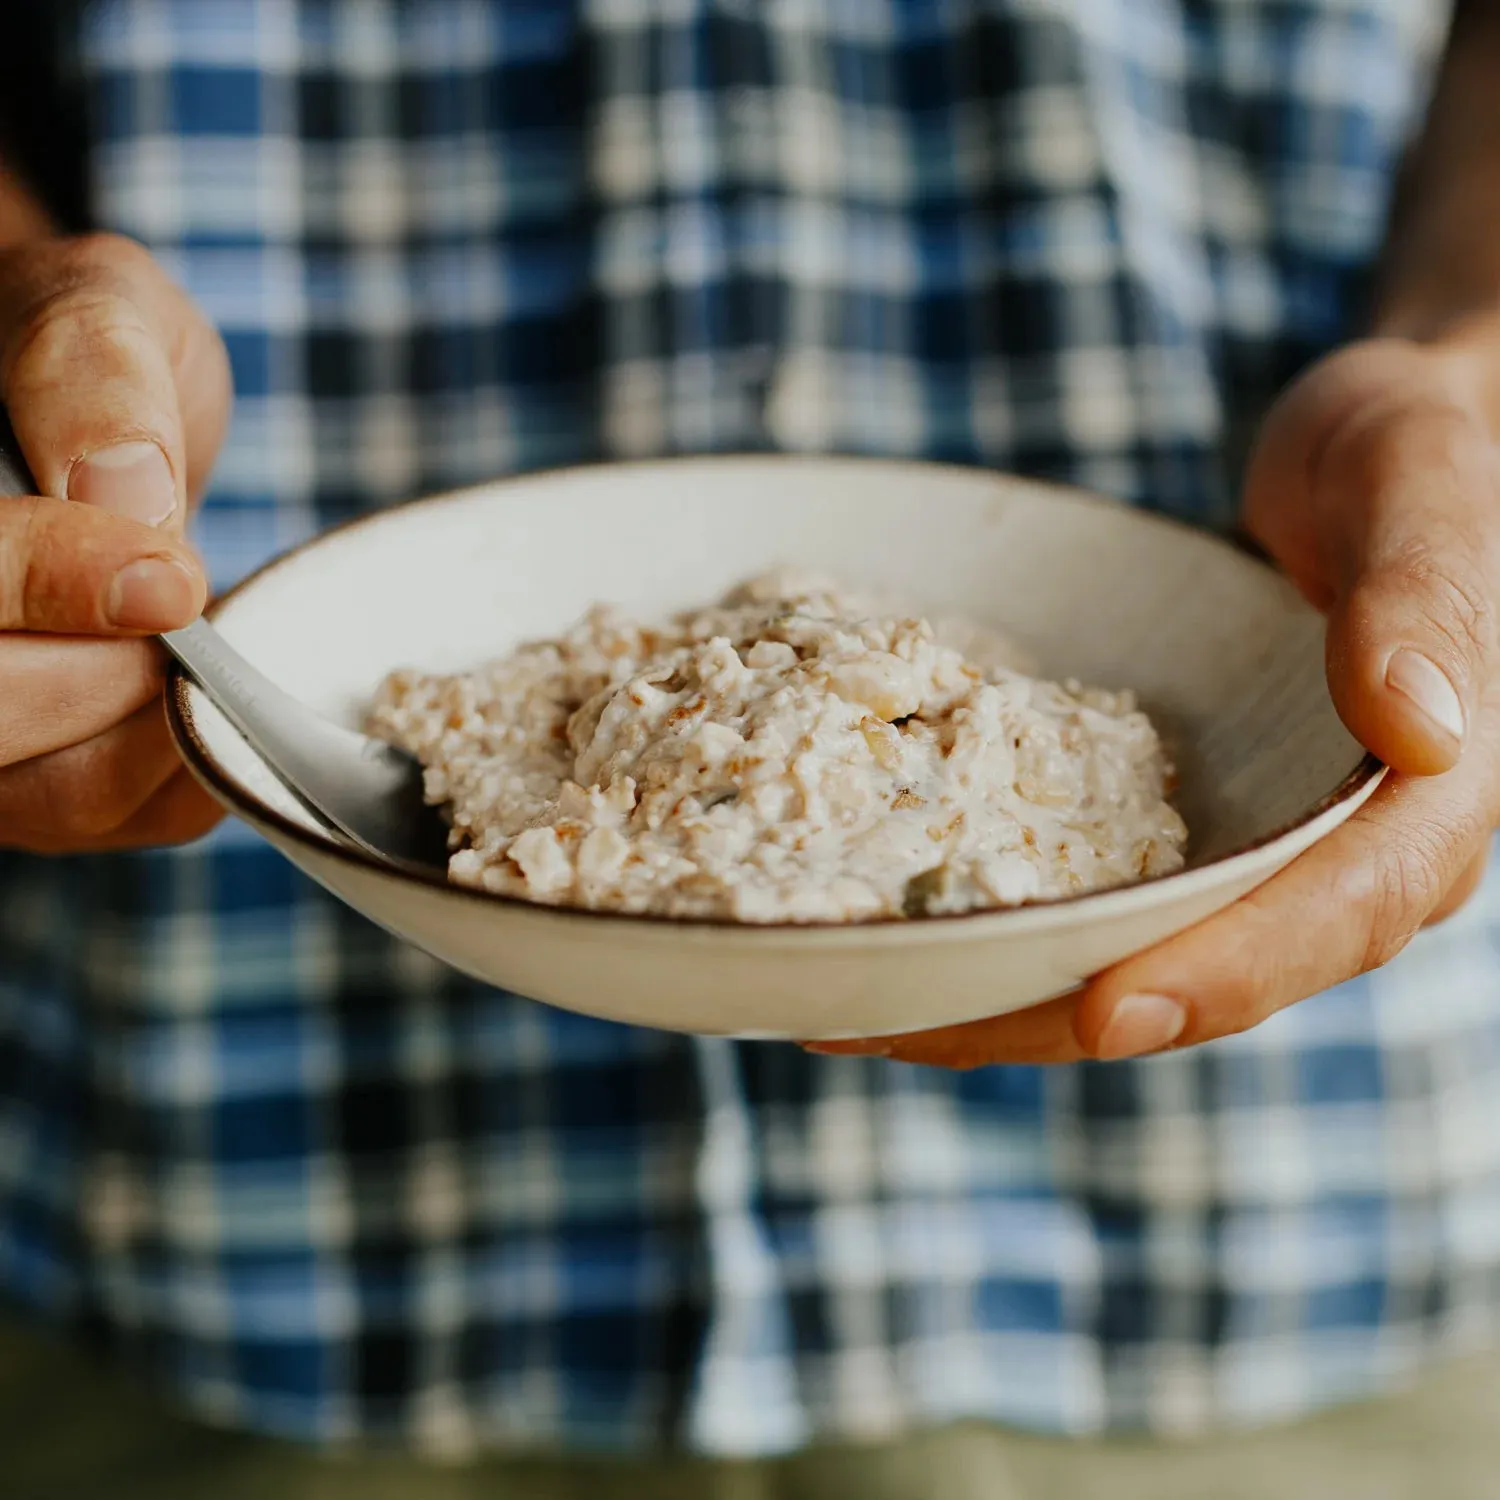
179,812
103,365
75,798
1040,1034
70,570
59,692
1462,889
1412,637
1347,905
1374,485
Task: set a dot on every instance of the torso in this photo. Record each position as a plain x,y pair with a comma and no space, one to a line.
328,1189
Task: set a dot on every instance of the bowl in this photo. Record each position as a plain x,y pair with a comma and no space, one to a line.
1223,653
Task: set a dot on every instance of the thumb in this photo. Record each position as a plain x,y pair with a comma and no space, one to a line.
1412,641
89,334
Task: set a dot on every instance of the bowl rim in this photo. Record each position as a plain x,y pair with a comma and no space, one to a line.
200,759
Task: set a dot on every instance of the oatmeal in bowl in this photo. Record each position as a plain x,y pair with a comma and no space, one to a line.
716,819
793,753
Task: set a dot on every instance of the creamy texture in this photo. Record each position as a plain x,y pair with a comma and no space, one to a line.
790,754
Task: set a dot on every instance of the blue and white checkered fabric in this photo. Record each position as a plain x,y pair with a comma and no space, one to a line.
321,1187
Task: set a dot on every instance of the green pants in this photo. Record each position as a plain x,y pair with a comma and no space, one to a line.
70,1430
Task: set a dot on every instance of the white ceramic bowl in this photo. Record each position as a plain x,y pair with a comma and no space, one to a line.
1224,654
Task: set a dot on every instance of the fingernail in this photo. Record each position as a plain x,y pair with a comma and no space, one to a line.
130,479
154,593
848,1049
1413,676
1141,1023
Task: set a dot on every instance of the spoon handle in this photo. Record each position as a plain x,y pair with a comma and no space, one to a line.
282,730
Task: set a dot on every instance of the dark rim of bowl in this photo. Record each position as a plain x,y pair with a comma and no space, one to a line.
191,745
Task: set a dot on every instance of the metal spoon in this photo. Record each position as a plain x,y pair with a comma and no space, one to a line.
368,792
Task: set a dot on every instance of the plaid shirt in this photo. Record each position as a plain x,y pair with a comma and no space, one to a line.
322,1187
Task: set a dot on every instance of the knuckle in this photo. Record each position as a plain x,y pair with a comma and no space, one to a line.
1456,602
80,301
1467,618
88,329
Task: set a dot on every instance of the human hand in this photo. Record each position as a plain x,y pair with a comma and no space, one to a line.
1376,486
118,391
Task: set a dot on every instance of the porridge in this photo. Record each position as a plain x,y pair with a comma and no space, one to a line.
790,754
